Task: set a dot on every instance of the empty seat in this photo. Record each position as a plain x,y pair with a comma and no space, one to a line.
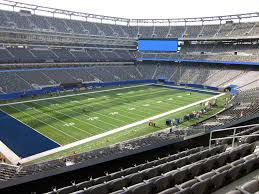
218,180
204,154
188,184
131,170
141,188
233,155
193,158
149,173
200,187
209,163
180,176
234,192
250,164
85,184
80,192
207,175
135,178
184,191
68,189
170,191
196,169
234,172
102,179
162,183
98,189
181,162
168,166
251,186
237,162
222,158
117,184
224,168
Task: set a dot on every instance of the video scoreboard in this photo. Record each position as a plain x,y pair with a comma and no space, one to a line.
158,45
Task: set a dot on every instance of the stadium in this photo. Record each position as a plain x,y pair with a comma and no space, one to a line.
98,104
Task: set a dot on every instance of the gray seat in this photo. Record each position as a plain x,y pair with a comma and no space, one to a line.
85,184
162,183
237,162
131,170
146,166
122,191
150,173
234,192
81,192
193,158
102,179
184,191
234,172
224,168
142,188
251,186
68,189
180,176
117,174
250,164
222,159
218,180
181,162
170,191
233,155
168,166
117,184
98,189
200,187
209,164
135,178
196,169
207,175
188,184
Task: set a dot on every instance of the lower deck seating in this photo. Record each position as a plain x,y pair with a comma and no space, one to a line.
196,171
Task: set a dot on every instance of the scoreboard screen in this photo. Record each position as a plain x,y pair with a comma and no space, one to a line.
159,45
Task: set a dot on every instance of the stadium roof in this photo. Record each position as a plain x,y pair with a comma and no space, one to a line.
54,11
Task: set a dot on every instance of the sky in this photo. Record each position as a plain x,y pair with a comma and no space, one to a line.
153,9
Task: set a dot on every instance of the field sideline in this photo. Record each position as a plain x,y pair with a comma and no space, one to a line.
68,119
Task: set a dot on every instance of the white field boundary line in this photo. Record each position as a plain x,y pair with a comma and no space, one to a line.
182,87
71,95
80,142
9,154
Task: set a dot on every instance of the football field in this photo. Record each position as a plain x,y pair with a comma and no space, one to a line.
71,118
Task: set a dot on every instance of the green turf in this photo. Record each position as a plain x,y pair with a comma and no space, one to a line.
134,132
69,119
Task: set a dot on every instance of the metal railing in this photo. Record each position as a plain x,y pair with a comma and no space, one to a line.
234,135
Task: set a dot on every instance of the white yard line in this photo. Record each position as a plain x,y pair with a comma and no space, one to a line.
72,110
80,142
48,115
41,122
65,96
136,104
121,110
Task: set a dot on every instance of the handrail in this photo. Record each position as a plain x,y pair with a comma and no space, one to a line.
233,136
